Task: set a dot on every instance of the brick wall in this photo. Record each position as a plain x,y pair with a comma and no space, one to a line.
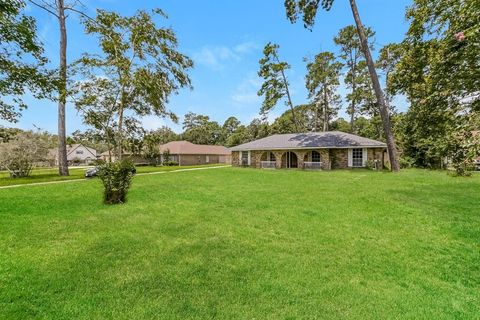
235,158
376,154
339,158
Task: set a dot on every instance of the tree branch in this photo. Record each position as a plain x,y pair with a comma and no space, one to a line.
44,7
83,14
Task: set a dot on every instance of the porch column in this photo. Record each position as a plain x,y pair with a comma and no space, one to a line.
300,158
278,159
235,158
256,157
379,156
325,159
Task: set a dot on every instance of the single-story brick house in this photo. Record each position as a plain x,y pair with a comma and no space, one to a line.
313,150
188,154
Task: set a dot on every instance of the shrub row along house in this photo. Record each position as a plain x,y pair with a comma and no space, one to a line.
322,150
187,154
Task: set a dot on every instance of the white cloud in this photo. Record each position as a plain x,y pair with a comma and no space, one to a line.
246,91
216,57
246,97
272,116
152,122
246,47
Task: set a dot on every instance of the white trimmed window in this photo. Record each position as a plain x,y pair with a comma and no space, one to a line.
207,159
357,157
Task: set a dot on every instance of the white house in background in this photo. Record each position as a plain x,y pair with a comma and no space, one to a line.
76,154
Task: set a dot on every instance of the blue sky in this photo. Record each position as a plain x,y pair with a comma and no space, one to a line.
225,39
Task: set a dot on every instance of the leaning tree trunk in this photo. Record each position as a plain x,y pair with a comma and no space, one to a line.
325,110
384,113
62,90
285,82
352,116
294,118
353,106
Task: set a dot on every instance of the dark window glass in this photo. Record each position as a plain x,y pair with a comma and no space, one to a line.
244,158
357,157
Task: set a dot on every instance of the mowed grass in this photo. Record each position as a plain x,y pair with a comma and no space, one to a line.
234,243
51,174
41,175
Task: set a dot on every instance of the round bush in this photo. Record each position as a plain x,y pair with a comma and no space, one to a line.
116,178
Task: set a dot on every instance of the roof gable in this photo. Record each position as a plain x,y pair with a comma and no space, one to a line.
74,147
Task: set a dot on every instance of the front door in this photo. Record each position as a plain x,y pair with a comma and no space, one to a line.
289,160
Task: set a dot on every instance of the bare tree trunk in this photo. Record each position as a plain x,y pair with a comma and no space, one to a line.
325,110
352,117
384,112
62,90
109,146
317,107
120,135
353,106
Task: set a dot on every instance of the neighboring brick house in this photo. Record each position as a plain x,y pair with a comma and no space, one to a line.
313,150
187,153
76,154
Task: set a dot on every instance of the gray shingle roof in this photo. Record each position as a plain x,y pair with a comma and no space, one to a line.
310,140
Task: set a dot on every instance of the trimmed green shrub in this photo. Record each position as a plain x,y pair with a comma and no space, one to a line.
406,162
369,164
166,157
116,178
461,170
372,164
170,163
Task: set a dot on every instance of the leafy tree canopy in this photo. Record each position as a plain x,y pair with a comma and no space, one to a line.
138,70
275,86
200,129
438,69
322,81
21,60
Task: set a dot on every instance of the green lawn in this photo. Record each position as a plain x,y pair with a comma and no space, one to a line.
51,174
237,243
